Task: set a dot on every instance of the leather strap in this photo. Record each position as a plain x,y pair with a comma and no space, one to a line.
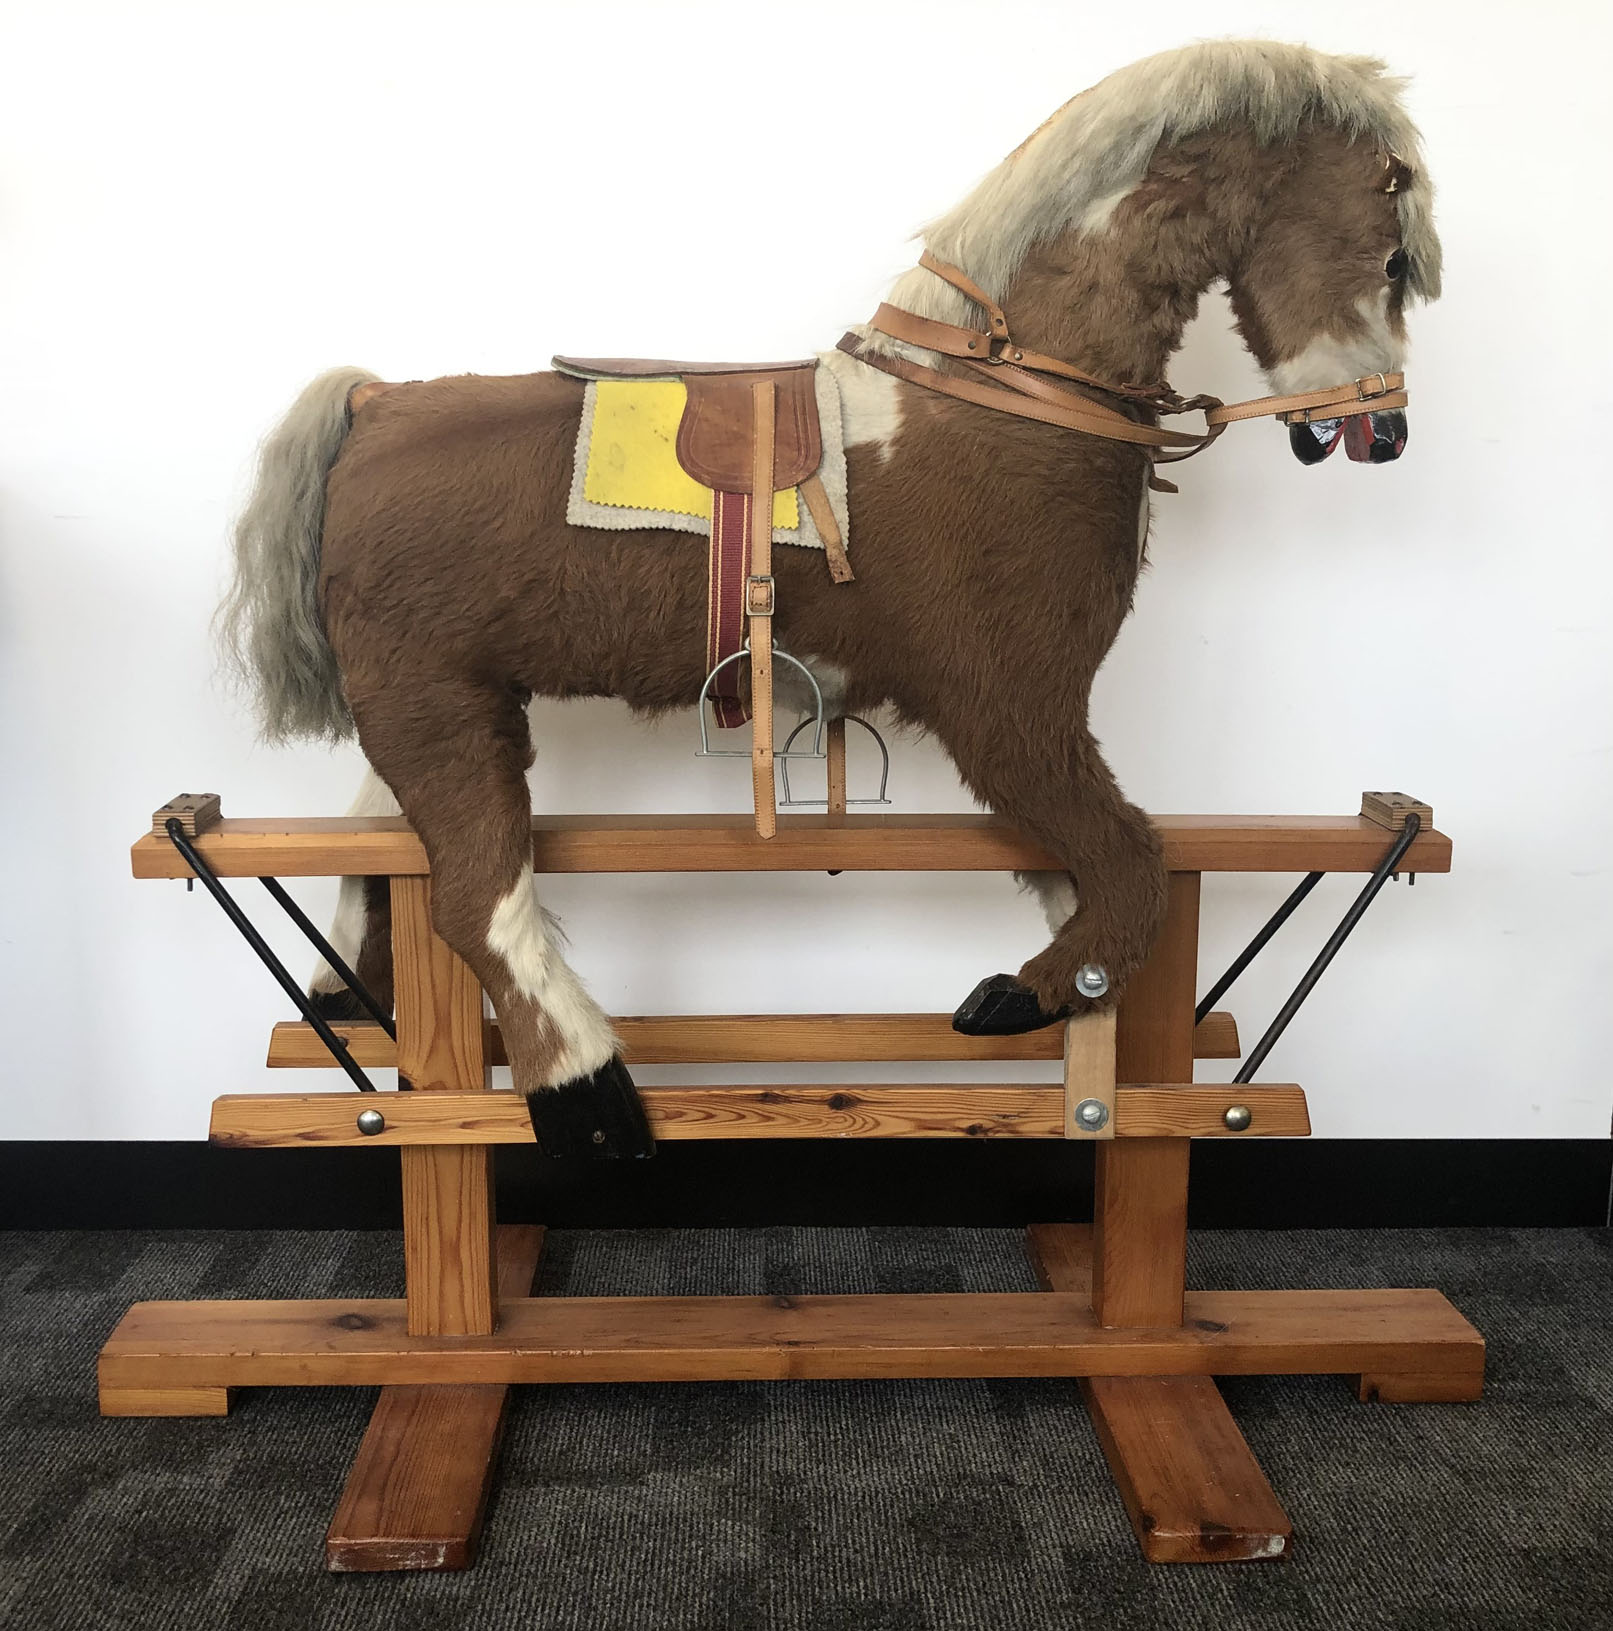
1070,411
823,517
1376,393
998,345
727,576
1012,382
759,597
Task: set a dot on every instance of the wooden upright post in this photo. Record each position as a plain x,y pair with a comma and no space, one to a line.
1139,1226
447,1189
1190,1484
418,1490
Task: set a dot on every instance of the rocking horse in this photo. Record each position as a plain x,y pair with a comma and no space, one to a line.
410,565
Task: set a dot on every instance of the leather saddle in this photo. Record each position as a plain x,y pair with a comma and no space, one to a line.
748,430
714,436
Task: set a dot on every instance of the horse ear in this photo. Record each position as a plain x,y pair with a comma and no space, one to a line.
1396,174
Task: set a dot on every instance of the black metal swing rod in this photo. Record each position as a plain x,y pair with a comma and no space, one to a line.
265,955
1381,874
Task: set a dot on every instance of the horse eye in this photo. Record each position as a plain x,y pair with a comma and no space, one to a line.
1395,266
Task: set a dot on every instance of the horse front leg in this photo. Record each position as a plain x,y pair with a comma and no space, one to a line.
1111,896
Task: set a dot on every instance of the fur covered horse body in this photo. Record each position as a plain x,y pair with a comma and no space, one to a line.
995,557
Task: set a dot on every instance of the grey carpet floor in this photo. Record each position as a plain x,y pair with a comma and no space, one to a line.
824,1506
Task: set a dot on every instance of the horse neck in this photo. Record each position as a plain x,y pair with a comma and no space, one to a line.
1114,294
1098,303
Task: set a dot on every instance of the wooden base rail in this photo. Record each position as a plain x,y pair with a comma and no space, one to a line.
362,1343
752,1039
1115,1312
886,1110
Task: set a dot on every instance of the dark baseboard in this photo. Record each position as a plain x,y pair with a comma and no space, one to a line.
1259,1184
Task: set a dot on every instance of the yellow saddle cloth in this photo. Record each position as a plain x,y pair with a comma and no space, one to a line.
626,475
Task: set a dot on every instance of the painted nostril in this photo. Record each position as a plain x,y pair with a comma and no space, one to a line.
1313,442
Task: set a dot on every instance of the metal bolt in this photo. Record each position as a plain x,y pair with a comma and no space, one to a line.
1093,1114
371,1122
1091,981
1238,1117
599,1135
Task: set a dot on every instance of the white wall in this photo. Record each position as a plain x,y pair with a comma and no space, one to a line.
205,205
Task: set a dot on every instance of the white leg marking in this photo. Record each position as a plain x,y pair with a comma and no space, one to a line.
346,936
347,930
374,797
520,932
1056,892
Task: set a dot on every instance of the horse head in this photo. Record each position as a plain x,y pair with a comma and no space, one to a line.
1293,177
1321,286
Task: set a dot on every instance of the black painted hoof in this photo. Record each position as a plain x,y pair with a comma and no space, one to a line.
339,1007
597,1118
1001,1006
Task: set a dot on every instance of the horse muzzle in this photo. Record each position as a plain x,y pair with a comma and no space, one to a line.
1369,438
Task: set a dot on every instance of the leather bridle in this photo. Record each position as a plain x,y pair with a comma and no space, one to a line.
1011,378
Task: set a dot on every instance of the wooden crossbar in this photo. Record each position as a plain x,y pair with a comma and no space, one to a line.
381,846
713,1039
882,1110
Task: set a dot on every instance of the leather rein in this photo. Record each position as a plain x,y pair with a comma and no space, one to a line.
1016,380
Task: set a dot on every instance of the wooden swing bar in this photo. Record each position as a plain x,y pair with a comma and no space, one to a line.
1115,1312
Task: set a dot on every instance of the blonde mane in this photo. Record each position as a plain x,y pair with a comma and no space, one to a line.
1074,169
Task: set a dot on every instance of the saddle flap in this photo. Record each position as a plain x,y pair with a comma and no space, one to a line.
715,434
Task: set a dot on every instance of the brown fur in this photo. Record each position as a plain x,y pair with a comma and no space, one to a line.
996,558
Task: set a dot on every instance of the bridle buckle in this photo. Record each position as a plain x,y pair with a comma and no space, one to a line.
1364,395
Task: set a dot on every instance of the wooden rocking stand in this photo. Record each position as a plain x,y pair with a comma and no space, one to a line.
1115,1313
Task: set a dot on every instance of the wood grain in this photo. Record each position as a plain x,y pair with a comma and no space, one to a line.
447,1189
1061,1255
698,1039
835,769
883,1110
1139,1239
195,813
1189,1482
1277,1110
164,1401
418,1489
1390,810
1429,1387
358,1342
335,846
1089,1073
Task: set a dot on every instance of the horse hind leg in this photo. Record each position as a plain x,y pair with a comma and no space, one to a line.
456,756
361,932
